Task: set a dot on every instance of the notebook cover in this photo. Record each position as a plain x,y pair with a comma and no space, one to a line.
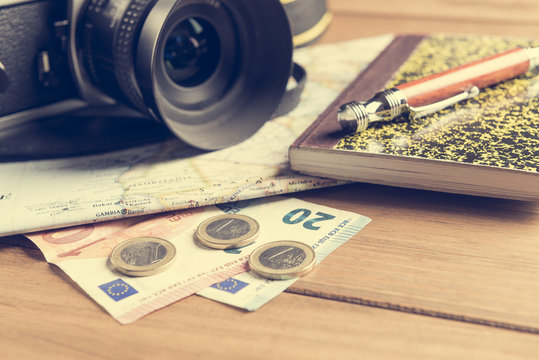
498,129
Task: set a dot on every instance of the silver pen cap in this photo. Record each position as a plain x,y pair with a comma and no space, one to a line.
384,106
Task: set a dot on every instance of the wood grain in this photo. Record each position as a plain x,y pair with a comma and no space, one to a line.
371,17
467,258
481,73
45,316
504,12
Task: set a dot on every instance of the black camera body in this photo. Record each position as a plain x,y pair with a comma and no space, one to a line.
213,71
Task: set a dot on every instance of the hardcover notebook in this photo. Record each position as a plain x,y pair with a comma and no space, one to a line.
486,146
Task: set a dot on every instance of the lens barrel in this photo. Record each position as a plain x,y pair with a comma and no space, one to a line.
192,52
213,71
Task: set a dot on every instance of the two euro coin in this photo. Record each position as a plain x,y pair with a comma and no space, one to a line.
282,260
227,231
143,256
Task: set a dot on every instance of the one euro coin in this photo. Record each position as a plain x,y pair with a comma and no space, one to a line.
282,260
143,256
227,231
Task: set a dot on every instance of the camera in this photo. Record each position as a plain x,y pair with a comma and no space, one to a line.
213,71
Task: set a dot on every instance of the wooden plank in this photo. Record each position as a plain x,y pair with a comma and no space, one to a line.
462,257
44,314
348,26
500,11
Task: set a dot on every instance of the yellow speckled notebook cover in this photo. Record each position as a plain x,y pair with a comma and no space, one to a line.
496,132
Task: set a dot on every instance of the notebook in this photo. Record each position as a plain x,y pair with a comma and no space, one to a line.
485,146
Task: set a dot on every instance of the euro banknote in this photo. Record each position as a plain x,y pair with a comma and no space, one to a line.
250,291
83,252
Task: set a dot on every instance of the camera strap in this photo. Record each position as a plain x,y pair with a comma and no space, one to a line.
308,20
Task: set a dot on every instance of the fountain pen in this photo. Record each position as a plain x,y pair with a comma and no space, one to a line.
438,91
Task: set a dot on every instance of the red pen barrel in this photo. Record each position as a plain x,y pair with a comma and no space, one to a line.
481,73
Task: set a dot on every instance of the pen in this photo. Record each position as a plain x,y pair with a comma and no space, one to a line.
438,91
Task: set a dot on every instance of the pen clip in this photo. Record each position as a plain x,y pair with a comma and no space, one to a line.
420,111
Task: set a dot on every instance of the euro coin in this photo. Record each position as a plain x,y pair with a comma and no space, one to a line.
282,260
227,231
143,256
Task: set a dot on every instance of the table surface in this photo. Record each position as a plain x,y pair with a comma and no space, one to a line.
433,275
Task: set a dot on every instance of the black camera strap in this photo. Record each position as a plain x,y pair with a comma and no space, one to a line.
292,95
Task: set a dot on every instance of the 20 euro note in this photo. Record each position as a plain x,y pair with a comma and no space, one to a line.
250,291
83,252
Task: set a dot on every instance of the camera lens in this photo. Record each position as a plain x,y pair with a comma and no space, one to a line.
213,71
192,52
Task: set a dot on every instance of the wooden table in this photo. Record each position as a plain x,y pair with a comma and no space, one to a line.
432,276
